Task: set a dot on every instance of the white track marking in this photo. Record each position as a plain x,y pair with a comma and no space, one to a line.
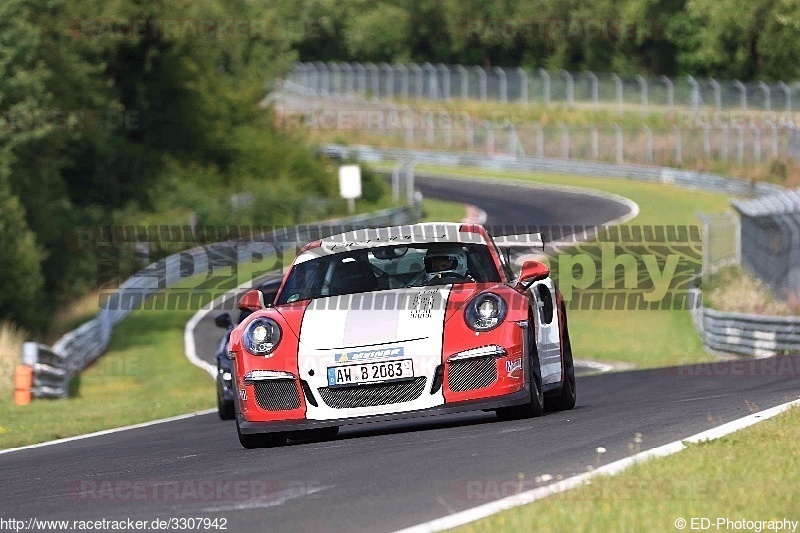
523,498
276,500
110,431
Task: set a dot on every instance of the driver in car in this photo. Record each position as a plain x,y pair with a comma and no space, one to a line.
446,265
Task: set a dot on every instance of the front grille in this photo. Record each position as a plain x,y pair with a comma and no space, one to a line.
367,395
471,374
277,395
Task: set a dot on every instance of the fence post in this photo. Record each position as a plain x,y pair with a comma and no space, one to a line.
767,95
464,75
618,136
419,82
564,140
717,93
489,136
374,81
348,77
707,140
787,96
595,92
433,84
643,90
445,72
388,86
670,93
546,79
403,80
503,83
740,144
470,133
361,78
649,141
448,128
336,75
595,142
570,88
408,123
725,150
774,137
523,84
323,77
678,144
481,83
757,142
398,167
618,86
695,94
742,94
539,140
313,78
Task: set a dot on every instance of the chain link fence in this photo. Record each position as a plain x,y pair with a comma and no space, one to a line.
580,89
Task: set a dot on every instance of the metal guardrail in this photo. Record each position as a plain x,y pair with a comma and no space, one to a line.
747,334
54,366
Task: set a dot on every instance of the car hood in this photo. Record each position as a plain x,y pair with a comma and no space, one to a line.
375,318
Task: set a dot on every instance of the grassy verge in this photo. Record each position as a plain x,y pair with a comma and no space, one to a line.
746,475
735,290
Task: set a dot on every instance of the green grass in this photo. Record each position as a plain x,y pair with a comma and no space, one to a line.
750,474
442,211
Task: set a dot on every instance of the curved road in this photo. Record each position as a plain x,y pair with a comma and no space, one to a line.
383,477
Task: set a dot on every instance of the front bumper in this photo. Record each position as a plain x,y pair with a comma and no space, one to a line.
509,400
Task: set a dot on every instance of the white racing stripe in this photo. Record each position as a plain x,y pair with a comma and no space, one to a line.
524,498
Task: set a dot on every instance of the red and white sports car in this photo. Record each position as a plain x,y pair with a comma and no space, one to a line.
398,322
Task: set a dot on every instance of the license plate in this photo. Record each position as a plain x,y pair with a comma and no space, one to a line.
370,372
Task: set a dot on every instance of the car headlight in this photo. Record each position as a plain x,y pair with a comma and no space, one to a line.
262,336
486,311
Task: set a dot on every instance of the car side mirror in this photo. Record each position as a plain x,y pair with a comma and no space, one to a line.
532,271
251,301
223,321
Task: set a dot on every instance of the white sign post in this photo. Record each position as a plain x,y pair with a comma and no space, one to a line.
350,185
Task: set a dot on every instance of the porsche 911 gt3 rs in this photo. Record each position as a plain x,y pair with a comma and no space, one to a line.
399,322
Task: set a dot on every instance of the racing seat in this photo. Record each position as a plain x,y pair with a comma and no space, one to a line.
353,276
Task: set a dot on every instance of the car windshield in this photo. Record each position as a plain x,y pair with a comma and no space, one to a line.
389,267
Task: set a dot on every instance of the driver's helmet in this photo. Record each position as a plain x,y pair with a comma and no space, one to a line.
441,262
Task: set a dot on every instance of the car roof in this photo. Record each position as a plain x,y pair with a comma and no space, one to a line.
444,232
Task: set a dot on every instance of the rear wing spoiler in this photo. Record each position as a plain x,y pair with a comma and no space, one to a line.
522,240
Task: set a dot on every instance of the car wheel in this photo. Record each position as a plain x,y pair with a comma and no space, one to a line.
224,407
565,399
535,406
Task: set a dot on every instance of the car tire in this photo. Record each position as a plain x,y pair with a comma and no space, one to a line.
565,399
225,409
535,406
